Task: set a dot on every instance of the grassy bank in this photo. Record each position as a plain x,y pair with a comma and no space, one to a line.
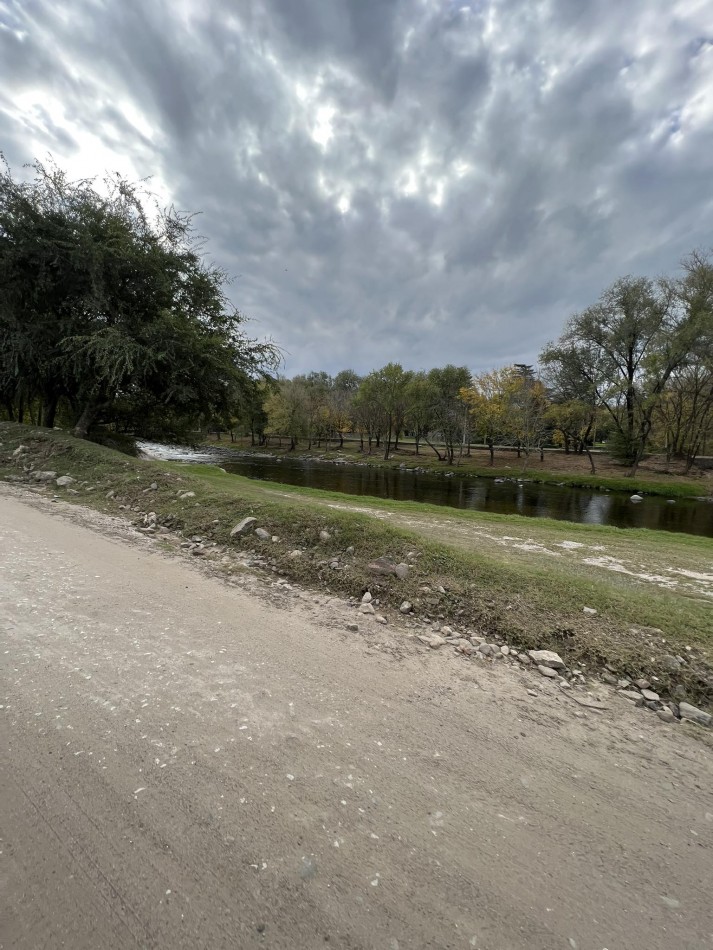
492,586
557,469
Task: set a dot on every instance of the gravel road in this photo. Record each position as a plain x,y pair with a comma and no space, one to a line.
185,764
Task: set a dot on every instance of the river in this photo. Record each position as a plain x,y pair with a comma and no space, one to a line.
510,496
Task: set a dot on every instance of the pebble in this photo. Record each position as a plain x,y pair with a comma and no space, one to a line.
650,695
589,610
665,715
505,650
353,627
380,618
435,643
636,698
366,598
693,714
547,671
325,536
262,534
366,609
405,607
642,684
243,527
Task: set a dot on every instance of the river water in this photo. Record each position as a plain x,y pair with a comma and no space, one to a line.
511,496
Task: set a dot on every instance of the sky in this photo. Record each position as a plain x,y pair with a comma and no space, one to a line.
422,181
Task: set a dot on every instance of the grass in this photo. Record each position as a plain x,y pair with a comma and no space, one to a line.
492,588
558,468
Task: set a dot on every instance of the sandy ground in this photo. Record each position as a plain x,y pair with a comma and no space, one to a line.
190,764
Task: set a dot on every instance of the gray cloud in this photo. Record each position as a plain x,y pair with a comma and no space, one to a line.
426,181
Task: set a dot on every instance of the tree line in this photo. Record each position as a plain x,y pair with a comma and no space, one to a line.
635,368
110,315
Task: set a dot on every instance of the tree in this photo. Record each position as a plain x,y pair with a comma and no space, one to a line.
631,342
106,308
448,408
420,399
486,400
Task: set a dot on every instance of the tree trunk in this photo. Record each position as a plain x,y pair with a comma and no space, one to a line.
491,449
83,424
591,458
50,411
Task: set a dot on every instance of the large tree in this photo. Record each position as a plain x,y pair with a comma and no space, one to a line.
627,346
107,306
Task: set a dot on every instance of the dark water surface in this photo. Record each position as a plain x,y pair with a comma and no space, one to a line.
510,497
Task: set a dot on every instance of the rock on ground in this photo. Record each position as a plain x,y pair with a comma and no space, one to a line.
243,527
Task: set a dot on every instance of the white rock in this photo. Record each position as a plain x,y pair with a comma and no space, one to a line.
693,714
547,671
262,534
589,610
406,607
325,536
366,598
366,609
243,527
64,480
636,498
436,642
547,658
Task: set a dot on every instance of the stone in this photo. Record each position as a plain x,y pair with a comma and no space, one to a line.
366,609
198,550
693,714
366,598
650,695
589,610
642,684
636,499
665,715
294,554
636,698
243,527
447,631
405,607
154,486
484,648
548,672
622,684
610,679
380,618
670,663
524,659
110,494
64,480
436,642
187,494
44,476
465,648
547,658
401,571
262,534
505,650
325,536
353,627
679,691
19,450
381,565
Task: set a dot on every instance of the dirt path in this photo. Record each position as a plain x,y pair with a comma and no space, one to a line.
183,765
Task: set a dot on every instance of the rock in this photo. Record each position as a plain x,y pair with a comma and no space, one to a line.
650,695
44,476
465,648
353,627
198,550
636,698
325,536
665,715
154,486
436,642
380,618
548,672
406,607
622,684
447,631
484,648
275,539
524,659
693,714
505,650
186,494
110,494
589,610
366,609
547,658
262,534
243,527
636,499
401,571
64,480
642,684
19,450
610,679
350,549
366,598
679,691
670,663
381,565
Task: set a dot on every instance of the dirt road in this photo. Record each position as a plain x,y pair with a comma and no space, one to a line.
184,765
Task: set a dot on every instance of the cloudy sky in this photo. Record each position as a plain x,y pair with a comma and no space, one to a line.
417,180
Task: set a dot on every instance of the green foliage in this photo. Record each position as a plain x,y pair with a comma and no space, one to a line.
110,312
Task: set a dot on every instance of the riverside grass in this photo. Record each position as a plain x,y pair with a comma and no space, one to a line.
528,600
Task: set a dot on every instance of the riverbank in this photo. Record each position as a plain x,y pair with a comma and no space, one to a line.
558,468
526,582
